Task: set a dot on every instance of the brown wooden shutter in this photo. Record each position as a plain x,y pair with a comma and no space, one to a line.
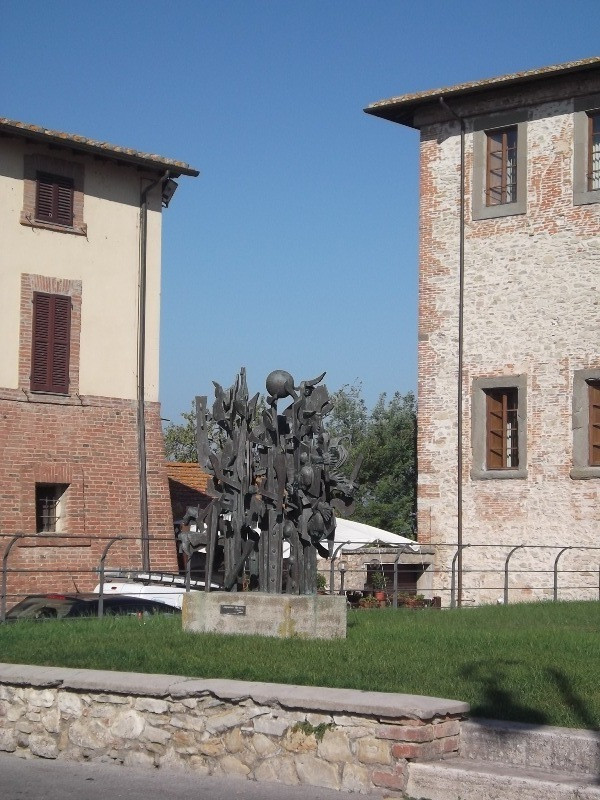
54,199
594,394
60,341
50,343
495,458
40,342
44,198
64,202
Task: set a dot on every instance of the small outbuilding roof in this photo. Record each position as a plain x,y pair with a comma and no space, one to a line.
401,108
189,474
11,127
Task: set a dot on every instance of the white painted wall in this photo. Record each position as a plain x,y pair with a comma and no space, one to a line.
106,261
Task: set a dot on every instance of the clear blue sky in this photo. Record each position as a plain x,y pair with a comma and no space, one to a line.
296,248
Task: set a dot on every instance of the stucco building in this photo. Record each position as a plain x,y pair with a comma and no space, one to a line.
509,330
81,449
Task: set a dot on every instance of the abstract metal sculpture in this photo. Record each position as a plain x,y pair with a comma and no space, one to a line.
276,482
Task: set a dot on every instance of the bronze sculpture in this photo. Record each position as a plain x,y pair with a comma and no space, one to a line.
275,480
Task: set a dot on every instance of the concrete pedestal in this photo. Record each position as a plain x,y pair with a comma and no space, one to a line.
284,616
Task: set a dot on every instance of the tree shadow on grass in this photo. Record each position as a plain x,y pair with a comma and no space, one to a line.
578,707
498,701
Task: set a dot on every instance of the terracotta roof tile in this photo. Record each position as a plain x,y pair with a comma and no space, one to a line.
188,474
76,142
384,108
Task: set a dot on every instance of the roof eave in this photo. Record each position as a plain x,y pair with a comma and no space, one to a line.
402,109
110,153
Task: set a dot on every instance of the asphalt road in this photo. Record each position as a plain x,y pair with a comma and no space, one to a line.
41,779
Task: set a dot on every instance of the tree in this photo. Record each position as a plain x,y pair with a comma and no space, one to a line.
386,438
180,440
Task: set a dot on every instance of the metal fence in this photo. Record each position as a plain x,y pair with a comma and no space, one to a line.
544,578
549,577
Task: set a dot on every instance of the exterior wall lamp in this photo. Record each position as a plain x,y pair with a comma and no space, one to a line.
169,188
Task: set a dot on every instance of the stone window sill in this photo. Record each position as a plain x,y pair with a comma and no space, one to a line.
496,212
80,230
586,198
584,473
47,397
498,474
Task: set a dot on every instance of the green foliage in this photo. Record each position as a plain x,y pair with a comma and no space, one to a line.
530,662
350,416
369,602
318,731
321,581
378,581
386,438
180,440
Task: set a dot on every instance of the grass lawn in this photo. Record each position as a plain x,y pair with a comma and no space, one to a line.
535,663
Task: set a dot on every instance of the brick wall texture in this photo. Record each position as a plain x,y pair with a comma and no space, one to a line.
89,444
530,307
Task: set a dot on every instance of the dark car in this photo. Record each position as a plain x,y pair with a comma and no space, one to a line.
67,606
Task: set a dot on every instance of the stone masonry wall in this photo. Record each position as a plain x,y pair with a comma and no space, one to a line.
530,308
89,444
335,738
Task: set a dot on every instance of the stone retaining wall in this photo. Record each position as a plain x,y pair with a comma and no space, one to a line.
336,738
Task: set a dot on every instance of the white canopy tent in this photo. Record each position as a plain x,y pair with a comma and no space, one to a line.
354,535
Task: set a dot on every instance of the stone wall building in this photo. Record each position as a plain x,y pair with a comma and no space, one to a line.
509,330
80,437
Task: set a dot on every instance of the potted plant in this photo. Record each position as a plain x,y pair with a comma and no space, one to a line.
321,583
411,600
379,584
368,602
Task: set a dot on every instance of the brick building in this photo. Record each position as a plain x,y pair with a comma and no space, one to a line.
81,447
509,329
189,486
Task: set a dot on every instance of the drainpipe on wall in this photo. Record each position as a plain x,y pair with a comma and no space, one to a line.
459,393
141,372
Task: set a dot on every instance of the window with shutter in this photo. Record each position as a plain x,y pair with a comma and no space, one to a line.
594,397
502,428
54,199
499,427
50,343
586,423
501,166
593,173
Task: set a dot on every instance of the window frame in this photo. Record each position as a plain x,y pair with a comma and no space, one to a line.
58,492
482,128
582,467
498,437
585,108
58,189
505,146
593,116
482,386
50,343
35,165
